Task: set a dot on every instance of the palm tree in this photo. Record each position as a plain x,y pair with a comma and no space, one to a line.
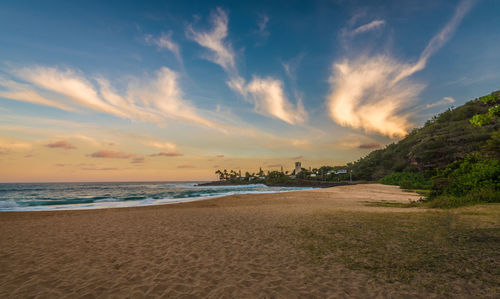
220,174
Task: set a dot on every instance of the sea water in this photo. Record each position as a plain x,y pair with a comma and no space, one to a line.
71,196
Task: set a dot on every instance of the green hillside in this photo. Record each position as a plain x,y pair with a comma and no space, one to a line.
444,139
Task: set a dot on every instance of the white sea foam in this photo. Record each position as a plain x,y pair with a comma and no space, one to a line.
110,199
8,204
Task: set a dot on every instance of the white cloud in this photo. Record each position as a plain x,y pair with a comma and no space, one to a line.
368,27
163,95
262,22
371,93
363,97
269,99
31,96
439,39
21,92
266,94
165,42
443,101
70,84
214,40
162,145
292,65
157,99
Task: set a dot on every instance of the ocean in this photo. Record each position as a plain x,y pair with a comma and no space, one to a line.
74,196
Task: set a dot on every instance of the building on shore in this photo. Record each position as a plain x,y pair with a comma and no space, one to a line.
298,167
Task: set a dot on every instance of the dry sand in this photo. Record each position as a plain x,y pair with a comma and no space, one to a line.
226,247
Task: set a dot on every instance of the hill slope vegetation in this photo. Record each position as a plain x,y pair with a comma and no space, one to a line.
446,138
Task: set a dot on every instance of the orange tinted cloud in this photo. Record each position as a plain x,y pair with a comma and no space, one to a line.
372,92
97,168
138,160
164,154
111,154
373,145
268,97
61,144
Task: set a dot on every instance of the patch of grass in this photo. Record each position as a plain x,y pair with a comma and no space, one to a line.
390,204
436,251
450,202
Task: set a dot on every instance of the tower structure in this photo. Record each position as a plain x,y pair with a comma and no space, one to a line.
298,167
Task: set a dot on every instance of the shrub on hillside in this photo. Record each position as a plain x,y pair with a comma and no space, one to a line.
407,180
472,180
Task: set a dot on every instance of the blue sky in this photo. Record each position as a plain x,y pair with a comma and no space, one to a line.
256,84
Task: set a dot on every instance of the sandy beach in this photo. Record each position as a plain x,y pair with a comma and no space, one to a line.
242,246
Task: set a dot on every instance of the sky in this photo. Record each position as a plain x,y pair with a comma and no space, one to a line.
174,90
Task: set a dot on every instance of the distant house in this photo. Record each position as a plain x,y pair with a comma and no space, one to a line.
341,171
313,175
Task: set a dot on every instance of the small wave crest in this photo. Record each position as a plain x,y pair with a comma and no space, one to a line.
8,204
108,199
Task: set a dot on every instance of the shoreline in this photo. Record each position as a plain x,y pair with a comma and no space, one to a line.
158,202
294,183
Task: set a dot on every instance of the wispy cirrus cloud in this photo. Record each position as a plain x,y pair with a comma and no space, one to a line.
70,84
61,144
22,92
157,98
267,94
161,145
111,154
215,40
443,101
165,41
269,99
262,21
375,24
439,39
372,92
